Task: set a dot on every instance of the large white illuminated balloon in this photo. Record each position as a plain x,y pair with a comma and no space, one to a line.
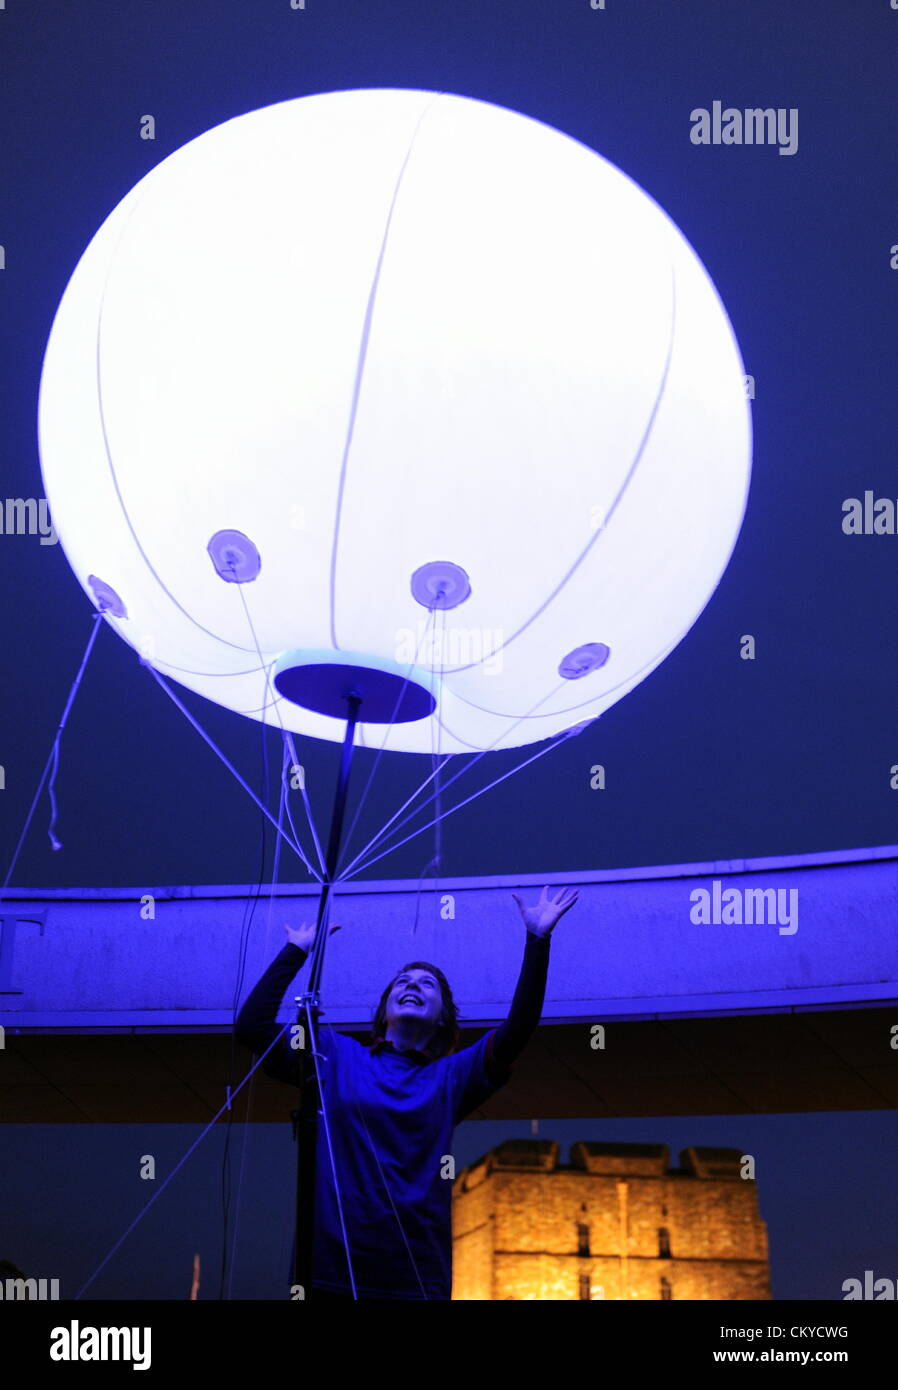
431,384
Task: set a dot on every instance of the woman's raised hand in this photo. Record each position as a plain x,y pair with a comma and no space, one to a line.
542,917
303,935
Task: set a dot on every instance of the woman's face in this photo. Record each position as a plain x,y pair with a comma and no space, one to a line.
415,994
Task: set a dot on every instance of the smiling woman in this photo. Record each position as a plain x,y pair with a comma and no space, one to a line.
417,1012
384,1169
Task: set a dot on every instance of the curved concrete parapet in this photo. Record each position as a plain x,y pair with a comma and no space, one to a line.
803,931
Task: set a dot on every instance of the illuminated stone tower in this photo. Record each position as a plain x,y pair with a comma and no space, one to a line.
616,1222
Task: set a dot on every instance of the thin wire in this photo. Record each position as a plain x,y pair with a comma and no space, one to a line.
249,1096
296,847
330,1147
437,862
248,913
54,842
417,792
438,796
390,1196
389,850
178,1166
436,859
282,797
53,759
275,702
332,1158
281,835
241,968
324,926
358,811
476,759
288,743
437,732
357,1106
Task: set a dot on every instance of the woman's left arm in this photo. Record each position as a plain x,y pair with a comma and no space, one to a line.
510,1038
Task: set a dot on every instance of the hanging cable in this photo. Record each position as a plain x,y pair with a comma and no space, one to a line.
566,733
282,805
180,1164
389,850
241,968
393,1207
330,1147
285,733
250,1093
289,745
436,859
53,760
296,847
363,798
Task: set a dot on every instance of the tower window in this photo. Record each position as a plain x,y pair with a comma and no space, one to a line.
584,1286
666,1291
664,1243
582,1240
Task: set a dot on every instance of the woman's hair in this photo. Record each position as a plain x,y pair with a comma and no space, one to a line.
447,1034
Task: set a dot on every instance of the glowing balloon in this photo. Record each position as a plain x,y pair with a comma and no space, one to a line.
409,381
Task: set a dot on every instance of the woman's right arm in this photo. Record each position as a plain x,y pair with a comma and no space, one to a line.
256,1025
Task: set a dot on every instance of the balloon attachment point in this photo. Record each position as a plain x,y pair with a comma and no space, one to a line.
107,599
440,584
236,559
582,660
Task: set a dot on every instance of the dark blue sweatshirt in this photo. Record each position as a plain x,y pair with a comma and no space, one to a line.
391,1116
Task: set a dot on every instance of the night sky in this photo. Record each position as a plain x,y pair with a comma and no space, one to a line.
712,757
825,1188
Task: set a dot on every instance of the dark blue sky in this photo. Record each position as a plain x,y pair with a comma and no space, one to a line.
712,757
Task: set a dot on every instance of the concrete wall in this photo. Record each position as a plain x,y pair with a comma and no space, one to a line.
164,958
